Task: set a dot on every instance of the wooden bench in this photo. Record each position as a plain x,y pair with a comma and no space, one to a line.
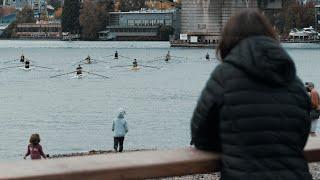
131,165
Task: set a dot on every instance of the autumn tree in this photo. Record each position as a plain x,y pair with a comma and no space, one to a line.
293,15
26,15
104,7
55,3
70,16
131,5
165,32
93,18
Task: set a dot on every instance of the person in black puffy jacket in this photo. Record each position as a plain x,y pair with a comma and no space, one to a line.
254,108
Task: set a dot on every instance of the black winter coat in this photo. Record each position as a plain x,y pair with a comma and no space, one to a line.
254,109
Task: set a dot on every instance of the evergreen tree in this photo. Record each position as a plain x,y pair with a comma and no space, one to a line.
70,16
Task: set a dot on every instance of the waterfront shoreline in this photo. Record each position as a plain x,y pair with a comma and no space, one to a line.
92,152
314,167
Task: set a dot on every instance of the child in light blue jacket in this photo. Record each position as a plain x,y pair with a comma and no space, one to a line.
120,129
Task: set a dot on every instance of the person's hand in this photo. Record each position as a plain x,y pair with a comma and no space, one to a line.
24,157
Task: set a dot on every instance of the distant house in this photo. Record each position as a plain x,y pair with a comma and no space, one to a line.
38,31
5,21
141,25
270,5
8,18
38,6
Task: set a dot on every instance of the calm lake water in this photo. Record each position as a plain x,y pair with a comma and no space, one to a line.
74,115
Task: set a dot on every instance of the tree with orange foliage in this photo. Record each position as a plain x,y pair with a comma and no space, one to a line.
296,15
93,18
58,13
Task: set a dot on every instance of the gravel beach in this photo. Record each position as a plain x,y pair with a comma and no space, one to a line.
314,170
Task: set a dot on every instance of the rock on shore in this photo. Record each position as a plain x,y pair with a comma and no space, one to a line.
92,152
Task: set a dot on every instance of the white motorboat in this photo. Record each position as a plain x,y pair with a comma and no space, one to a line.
304,33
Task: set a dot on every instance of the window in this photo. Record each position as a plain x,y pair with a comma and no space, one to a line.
130,22
137,22
202,26
168,22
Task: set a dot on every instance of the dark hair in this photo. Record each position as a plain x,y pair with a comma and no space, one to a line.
240,26
34,139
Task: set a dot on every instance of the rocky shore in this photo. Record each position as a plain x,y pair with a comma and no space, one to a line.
314,167
92,152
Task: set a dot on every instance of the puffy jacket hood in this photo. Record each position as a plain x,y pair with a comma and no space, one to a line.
264,59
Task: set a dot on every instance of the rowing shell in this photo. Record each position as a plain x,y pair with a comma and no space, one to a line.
26,69
78,76
135,68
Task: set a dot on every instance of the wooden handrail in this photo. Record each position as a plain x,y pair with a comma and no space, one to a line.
131,165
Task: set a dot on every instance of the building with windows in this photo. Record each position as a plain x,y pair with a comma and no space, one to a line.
38,31
38,6
141,25
202,21
5,21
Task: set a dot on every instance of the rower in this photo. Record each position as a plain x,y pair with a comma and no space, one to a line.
88,59
79,70
116,55
135,63
22,58
168,57
27,64
207,57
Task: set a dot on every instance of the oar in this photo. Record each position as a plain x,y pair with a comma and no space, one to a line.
29,60
124,57
42,67
177,57
155,60
96,74
77,62
100,60
11,61
150,66
120,66
160,57
12,67
63,74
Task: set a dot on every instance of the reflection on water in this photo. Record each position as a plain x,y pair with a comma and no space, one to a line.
76,114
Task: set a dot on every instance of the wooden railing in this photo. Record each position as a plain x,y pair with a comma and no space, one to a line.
131,165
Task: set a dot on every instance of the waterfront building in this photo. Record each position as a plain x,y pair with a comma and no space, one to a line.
38,6
5,21
38,31
202,20
142,25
